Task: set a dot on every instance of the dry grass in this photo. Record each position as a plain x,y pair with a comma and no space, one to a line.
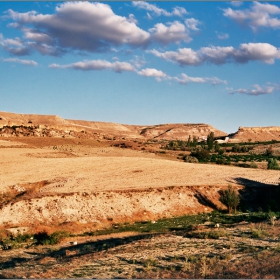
234,255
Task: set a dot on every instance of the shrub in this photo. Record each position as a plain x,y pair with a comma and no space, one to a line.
235,148
230,198
190,159
253,165
200,154
44,238
272,164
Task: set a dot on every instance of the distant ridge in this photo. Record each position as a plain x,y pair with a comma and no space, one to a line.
13,124
259,133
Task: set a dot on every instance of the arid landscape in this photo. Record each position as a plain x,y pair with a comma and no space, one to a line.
136,201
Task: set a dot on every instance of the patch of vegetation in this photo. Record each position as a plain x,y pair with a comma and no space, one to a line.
43,238
272,164
258,232
212,234
230,198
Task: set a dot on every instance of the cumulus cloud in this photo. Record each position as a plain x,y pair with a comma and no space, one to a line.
151,72
257,90
21,61
89,65
14,46
82,26
185,79
182,79
177,11
263,52
174,33
260,15
192,24
184,56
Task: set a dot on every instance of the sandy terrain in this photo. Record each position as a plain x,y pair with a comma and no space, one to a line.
132,170
111,184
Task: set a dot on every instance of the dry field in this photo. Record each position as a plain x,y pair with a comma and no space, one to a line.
69,182
87,185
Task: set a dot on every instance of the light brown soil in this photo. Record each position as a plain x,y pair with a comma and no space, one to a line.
111,184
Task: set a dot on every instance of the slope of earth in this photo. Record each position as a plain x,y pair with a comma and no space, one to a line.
254,134
110,184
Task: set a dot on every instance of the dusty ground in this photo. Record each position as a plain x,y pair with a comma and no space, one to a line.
96,184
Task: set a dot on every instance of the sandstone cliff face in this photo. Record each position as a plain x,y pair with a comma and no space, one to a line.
180,131
246,134
54,126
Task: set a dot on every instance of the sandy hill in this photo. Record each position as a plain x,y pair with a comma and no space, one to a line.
40,125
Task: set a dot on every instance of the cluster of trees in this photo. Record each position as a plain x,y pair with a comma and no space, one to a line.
240,149
182,145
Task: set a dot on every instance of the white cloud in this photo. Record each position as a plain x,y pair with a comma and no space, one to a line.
236,3
151,72
222,36
149,16
263,52
174,33
89,65
192,24
132,19
85,26
185,79
21,61
184,56
13,46
177,11
37,36
260,15
257,51
138,61
258,90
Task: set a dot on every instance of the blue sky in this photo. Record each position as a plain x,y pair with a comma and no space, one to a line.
143,62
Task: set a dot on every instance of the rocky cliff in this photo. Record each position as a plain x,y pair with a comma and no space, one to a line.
54,126
245,134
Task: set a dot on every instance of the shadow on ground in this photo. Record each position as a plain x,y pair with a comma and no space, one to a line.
77,250
258,196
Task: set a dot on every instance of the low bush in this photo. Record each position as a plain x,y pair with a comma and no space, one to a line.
44,238
272,164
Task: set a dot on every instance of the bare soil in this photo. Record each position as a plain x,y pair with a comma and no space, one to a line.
95,184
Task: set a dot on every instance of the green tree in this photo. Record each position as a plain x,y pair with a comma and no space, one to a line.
217,147
272,164
194,141
230,198
210,140
189,143
201,154
269,151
